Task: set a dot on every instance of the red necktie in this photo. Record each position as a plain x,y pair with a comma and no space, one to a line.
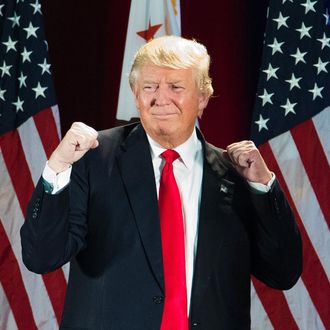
172,233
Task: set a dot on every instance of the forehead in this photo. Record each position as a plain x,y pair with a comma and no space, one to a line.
155,73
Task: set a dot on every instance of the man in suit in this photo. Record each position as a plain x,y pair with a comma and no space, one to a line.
99,206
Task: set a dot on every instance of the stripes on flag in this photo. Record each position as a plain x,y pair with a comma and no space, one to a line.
278,314
311,306
309,153
29,131
291,126
13,286
45,294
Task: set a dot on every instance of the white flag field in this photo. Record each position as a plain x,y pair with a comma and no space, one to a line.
147,19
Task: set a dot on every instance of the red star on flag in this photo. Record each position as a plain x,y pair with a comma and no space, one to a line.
150,32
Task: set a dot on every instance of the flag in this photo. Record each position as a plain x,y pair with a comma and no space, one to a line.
147,19
29,131
291,126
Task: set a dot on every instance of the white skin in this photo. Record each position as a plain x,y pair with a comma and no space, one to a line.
169,102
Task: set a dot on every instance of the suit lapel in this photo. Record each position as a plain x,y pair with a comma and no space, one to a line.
137,173
217,195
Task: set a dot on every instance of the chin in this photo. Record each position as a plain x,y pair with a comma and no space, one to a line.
167,127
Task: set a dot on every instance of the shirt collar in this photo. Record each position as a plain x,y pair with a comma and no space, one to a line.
186,150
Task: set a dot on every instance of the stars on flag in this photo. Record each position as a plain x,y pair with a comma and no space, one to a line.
316,91
309,6
288,107
326,16
266,98
18,104
299,56
21,80
295,66
39,90
321,66
31,31
304,31
271,72
36,6
262,123
293,81
26,55
2,94
10,44
325,41
45,67
26,85
15,19
281,20
276,46
5,69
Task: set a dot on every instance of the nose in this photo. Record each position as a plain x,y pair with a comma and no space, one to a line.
162,96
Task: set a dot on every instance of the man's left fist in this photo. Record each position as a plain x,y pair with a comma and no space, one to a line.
248,161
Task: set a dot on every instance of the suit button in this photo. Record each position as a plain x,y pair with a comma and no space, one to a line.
194,324
158,299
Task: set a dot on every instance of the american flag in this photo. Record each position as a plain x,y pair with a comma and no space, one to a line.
29,131
291,126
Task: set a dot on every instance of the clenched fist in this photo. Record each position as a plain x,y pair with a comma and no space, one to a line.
248,161
76,142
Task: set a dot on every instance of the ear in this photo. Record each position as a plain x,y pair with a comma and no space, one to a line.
202,103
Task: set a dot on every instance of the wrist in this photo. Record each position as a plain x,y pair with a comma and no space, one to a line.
267,178
58,166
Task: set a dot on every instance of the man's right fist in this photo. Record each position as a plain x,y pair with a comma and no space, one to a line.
76,142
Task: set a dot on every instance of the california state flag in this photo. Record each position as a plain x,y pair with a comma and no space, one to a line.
147,19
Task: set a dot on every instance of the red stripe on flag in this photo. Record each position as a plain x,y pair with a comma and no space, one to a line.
17,167
276,306
56,287
315,162
13,286
313,276
22,182
46,126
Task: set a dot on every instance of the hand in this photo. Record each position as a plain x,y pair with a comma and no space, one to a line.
76,142
248,161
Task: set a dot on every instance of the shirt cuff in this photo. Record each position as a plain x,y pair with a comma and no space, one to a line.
56,181
260,188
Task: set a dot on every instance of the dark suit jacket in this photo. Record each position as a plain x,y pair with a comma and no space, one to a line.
106,223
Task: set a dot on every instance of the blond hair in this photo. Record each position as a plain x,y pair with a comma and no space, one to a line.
175,53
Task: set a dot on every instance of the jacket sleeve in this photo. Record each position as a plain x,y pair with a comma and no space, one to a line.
275,239
55,227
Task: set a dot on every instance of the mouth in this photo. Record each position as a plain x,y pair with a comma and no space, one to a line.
164,115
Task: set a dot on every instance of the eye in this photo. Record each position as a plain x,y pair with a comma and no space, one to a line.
176,88
150,88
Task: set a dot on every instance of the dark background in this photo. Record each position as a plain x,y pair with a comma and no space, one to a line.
87,38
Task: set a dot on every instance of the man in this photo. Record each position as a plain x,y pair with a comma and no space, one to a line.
148,249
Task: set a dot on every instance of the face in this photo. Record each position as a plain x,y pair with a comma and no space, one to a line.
169,103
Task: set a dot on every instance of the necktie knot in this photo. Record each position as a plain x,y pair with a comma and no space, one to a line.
170,156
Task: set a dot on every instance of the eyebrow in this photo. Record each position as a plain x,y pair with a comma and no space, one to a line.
154,82
149,82
175,82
